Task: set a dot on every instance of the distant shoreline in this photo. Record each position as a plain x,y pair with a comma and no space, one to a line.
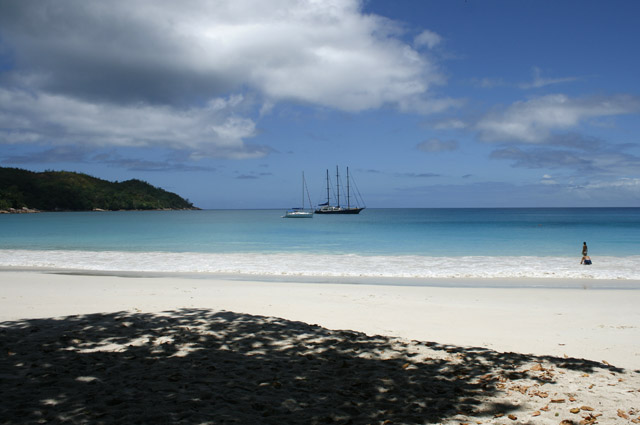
23,210
26,210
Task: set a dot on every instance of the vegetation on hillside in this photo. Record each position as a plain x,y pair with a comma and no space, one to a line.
69,191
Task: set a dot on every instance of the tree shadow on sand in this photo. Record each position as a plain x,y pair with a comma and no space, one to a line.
201,366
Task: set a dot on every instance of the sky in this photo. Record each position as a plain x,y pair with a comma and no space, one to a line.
458,103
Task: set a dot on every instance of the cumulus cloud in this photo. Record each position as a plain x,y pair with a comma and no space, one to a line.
88,155
576,141
427,38
322,52
158,73
632,184
545,158
212,130
616,162
597,162
611,190
437,145
533,121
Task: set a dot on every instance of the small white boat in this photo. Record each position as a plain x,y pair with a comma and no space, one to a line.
298,213
301,212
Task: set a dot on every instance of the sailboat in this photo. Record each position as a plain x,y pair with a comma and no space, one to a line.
327,208
301,212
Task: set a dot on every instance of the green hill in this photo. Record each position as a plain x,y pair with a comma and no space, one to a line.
68,191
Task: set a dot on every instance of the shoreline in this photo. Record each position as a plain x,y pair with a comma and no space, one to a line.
583,283
27,210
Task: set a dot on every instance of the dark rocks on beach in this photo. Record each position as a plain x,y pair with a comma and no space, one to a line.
23,210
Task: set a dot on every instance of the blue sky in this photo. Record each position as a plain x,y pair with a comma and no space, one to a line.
430,103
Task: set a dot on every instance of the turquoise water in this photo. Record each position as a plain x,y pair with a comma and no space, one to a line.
451,232
375,240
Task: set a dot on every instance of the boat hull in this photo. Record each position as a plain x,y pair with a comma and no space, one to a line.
339,210
298,214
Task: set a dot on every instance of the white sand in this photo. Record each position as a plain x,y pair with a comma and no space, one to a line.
556,325
592,324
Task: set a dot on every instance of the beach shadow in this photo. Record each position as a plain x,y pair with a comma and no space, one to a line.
200,366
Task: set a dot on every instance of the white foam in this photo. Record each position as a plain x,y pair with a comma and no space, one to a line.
410,266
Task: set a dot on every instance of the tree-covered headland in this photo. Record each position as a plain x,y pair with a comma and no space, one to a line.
69,191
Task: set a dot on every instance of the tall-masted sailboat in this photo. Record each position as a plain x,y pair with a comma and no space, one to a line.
327,208
301,212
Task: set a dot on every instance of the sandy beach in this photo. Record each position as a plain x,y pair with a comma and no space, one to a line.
136,349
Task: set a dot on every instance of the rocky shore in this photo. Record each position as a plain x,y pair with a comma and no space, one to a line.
23,210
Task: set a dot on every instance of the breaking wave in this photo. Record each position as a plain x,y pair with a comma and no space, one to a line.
326,265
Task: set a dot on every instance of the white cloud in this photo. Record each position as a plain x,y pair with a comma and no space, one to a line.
427,38
533,121
157,73
632,184
213,130
450,124
539,81
325,52
622,191
548,180
436,145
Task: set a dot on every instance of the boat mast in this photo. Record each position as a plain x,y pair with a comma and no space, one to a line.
327,187
304,183
303,190
338,184
348,193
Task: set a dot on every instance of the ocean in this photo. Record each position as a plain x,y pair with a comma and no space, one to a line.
540,243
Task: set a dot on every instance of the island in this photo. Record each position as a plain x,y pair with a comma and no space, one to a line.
24,191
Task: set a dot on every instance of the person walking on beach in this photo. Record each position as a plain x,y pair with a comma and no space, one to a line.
584,249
